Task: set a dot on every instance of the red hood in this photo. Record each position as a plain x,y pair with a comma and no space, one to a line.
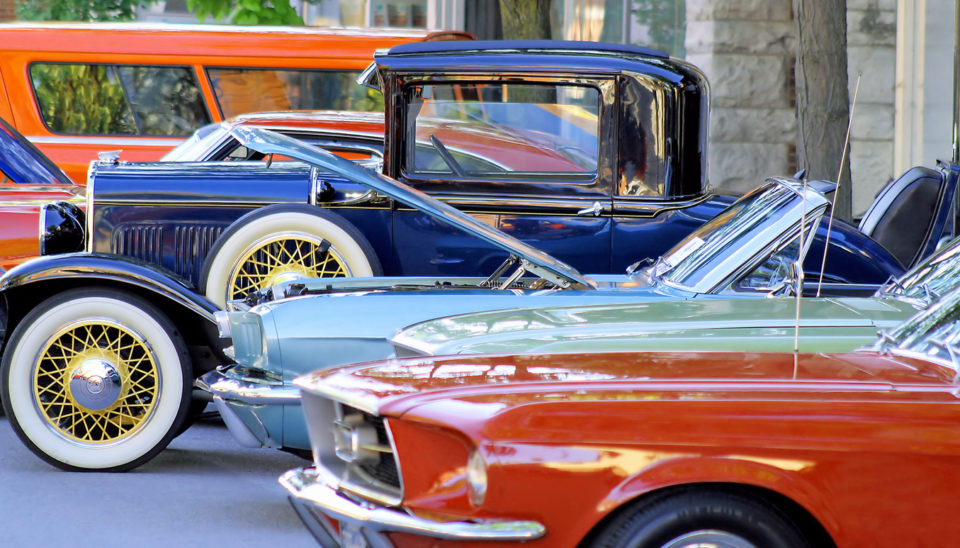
394,387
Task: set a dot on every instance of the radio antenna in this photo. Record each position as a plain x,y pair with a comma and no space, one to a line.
833,205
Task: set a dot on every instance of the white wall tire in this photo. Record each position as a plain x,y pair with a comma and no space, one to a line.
283,242
80,420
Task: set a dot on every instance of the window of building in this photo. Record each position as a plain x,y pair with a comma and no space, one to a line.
497,131
242,90
101,99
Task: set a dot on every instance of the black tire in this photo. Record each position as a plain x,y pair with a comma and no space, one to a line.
96,379
284,241
699,518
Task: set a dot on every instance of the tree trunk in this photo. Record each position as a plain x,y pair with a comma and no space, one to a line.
823,103
525,19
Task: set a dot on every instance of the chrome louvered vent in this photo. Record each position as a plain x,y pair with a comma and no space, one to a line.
139,242
193,242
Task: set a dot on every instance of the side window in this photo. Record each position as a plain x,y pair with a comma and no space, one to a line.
502,131
640,173
242,90
118,100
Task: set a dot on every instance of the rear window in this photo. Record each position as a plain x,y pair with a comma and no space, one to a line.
101,99
243,90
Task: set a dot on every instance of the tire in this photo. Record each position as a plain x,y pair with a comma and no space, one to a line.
94,425
705,518
282,242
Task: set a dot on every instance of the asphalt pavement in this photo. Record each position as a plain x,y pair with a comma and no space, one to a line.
203,490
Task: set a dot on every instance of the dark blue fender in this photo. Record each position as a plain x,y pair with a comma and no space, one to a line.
91,269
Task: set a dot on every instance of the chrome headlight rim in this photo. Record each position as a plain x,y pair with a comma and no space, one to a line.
476,478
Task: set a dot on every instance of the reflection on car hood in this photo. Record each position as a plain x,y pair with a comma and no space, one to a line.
268,142
497,382
600,326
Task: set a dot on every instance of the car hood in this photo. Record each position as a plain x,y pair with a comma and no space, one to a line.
536,261
24,163
528,329
495,382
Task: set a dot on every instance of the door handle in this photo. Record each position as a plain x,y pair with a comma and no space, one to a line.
595,210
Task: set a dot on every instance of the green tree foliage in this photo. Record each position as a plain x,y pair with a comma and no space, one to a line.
246,12
78,10
82,99
666,23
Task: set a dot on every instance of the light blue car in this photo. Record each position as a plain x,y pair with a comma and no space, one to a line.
749,250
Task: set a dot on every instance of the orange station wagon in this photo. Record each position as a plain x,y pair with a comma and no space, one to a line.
78,89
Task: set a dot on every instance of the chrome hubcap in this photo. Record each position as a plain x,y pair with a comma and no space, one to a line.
709,539
95,384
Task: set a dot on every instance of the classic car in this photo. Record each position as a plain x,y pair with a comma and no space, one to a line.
618,449
562,144
834,324
99,304
746,251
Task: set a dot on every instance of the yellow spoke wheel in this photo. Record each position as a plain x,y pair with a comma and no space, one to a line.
285,258
96,382
281,243
96,379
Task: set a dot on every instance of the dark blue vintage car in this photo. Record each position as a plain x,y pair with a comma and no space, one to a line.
594,153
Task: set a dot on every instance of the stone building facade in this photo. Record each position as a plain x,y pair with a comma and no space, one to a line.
747,48
8,10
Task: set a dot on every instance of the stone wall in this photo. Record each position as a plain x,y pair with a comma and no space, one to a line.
747,50
7,10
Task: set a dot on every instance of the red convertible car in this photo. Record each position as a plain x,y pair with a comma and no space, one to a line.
632,449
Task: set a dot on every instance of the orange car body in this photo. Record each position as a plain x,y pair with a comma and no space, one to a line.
861,449
231,70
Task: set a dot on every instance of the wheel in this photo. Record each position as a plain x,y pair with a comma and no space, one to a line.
96,379
282,243
693,519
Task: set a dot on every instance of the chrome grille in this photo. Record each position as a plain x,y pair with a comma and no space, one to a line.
383,469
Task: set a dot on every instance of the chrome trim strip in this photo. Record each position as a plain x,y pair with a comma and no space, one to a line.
91,175
121,141
317,486
235,390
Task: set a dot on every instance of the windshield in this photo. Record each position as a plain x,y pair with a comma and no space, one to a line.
712,253
936,275
933,333
201,140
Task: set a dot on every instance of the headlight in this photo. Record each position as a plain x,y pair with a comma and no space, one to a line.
476,478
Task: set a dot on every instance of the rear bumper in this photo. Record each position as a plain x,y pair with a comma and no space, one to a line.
314,495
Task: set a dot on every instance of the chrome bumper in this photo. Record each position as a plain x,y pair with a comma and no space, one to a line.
314,489
251,392
241,403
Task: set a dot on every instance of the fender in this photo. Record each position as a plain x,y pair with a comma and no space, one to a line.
93,267
773,475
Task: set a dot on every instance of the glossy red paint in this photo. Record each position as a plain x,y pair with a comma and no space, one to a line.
20,215
866,444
